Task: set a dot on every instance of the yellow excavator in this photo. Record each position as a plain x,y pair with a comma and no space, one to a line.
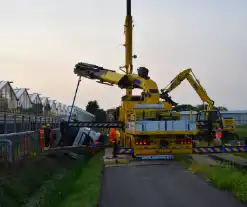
210,118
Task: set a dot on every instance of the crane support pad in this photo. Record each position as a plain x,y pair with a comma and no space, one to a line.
125,151
220,149
95,124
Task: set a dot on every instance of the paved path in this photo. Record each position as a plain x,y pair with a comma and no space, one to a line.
167,185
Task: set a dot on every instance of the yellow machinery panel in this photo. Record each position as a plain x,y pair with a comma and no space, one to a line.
162,146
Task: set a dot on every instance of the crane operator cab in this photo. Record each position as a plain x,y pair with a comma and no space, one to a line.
143,72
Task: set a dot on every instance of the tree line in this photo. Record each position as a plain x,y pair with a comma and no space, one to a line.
200,107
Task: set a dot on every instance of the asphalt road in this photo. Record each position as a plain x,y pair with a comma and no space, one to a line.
167,185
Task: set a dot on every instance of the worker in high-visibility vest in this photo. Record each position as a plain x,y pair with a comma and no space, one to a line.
112,135
218,133
218,136
118,135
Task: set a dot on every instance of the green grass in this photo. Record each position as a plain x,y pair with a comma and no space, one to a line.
16,190
224,177
86,190
56,190
242,154
241,131
78,186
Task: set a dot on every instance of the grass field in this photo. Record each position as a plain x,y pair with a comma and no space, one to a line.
242,131
20,182
225,178
77,186
52,182
86,190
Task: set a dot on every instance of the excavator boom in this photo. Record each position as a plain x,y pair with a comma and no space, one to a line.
194,82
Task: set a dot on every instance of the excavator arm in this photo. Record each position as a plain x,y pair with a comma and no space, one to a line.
194,82
130,81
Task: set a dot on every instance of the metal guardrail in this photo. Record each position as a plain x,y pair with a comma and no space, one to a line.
14,146
13,123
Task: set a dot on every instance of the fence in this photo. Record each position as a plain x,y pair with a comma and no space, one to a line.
15,146
13,123
19,135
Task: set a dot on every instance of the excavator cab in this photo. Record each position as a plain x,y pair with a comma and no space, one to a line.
208,121
212,115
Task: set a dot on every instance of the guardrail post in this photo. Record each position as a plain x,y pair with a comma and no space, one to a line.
22,123
40,122
29,123
14,123
5,123
35,123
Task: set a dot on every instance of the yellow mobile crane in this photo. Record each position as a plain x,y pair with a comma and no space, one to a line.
149,129
210,118
148,125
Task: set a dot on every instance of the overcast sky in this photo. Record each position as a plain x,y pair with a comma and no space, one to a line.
42,40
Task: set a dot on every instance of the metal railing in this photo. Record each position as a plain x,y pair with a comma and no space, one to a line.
14,123
15,146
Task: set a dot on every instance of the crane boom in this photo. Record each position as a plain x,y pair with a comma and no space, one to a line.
110,77
128,43
194,82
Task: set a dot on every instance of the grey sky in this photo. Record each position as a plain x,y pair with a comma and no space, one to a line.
41,41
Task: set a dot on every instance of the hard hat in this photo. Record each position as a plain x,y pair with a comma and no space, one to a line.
47,125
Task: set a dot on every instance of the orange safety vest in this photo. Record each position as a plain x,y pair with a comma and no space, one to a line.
112,135
219,133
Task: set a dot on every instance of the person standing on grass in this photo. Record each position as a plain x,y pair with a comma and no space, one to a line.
218,136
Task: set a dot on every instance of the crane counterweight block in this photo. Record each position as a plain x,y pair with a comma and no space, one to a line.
96,124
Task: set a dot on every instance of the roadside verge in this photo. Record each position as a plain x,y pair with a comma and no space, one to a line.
222,175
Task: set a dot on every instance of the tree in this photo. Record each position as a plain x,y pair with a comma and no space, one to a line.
92,107
201,107
184,107
100,115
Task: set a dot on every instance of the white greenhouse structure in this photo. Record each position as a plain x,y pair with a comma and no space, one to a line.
8,99
24,103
